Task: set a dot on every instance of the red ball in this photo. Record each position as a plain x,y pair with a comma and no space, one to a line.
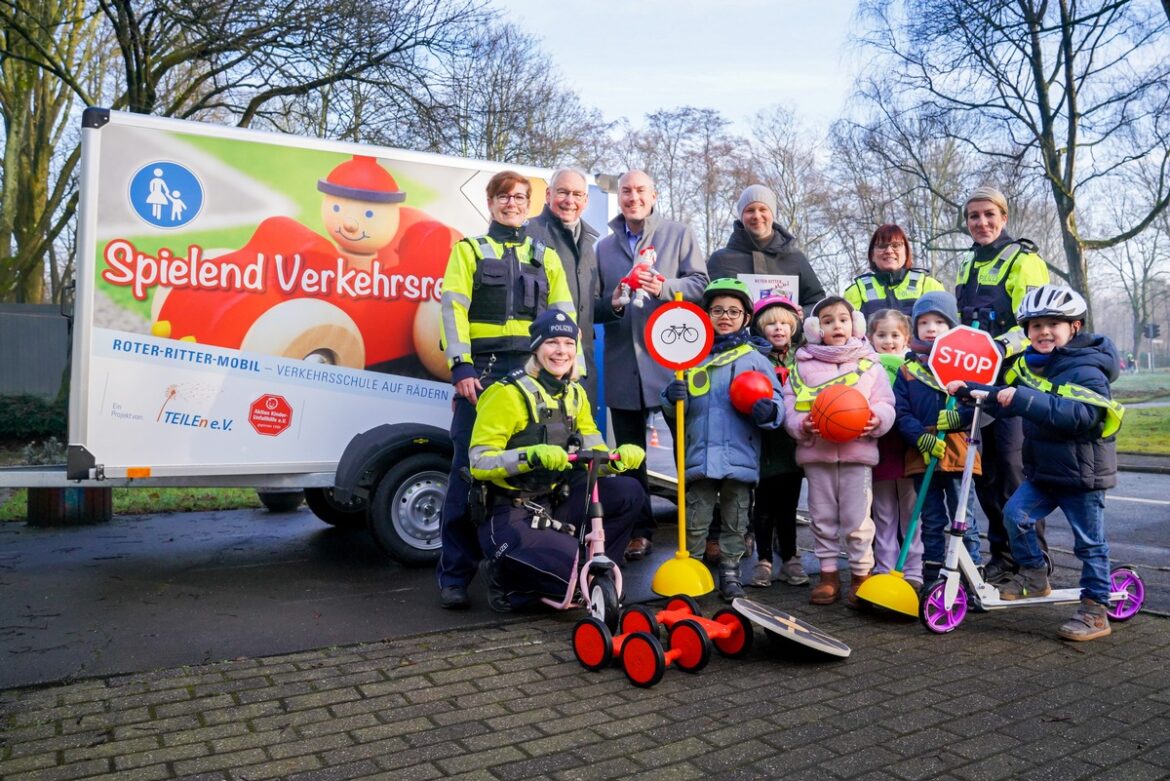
748,388
840,413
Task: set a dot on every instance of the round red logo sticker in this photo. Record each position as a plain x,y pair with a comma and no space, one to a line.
270,415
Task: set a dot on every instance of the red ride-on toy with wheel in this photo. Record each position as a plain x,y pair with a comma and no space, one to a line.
641,654
730,632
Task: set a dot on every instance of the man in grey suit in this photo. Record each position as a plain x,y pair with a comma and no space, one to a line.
633,379
561,227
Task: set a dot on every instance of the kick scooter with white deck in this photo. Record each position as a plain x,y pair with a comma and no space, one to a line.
961,586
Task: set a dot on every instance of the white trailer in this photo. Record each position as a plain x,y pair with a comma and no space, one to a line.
249,303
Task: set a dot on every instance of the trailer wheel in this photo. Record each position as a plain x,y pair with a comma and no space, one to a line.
404,514
281,501
343,515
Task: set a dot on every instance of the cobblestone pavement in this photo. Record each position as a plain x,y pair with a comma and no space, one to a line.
1001,697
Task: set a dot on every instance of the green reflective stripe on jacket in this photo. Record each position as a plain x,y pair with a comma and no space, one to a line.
698,383
921,373
805,394
1114,410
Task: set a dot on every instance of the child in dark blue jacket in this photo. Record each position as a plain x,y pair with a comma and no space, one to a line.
1060,387
921,406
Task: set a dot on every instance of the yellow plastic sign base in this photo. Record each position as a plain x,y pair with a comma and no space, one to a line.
891,591
683,575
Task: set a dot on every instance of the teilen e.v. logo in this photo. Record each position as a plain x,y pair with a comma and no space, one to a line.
166,194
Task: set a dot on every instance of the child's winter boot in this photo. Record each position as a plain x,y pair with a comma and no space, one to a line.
1089,622
827,590
855,582
1028,582
729,586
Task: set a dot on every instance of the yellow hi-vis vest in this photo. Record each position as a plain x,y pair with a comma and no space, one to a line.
1114,410
805,394
698,382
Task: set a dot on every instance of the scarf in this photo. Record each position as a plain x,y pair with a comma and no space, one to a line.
1036,361
921,347
852,351
730,341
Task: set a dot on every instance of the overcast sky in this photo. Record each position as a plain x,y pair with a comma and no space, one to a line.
631,57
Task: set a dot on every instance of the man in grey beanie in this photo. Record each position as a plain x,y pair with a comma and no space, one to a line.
758,245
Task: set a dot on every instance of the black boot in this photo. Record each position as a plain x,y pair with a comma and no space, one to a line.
497,594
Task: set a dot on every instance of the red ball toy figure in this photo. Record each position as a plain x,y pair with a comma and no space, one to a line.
840,413
748,388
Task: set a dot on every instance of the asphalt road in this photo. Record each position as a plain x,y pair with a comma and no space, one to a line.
149,592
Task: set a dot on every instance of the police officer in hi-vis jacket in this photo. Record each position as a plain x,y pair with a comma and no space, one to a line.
494,287
993,279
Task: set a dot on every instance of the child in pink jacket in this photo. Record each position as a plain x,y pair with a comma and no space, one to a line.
839,475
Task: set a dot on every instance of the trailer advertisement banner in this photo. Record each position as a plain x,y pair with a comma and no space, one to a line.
255,299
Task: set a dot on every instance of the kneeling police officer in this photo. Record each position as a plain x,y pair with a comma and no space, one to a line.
529,504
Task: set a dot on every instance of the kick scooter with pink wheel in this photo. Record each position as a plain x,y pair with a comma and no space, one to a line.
961,586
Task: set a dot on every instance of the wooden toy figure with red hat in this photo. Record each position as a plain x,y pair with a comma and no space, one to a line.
329,299
631,287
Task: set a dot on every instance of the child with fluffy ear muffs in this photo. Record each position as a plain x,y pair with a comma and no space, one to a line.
839,474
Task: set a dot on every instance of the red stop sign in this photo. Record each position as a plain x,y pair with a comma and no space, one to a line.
270,415
965,353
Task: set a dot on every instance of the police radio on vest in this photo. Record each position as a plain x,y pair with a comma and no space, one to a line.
961,359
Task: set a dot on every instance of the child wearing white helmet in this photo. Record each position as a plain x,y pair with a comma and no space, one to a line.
1060,387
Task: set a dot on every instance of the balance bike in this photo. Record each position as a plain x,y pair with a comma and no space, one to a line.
730,632
597,584
643,660
961,585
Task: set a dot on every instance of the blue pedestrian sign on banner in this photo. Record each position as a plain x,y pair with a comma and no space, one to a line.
166,194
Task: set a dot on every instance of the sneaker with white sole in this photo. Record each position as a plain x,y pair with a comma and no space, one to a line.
792,572
761,575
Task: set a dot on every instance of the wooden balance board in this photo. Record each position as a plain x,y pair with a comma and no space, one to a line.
789,627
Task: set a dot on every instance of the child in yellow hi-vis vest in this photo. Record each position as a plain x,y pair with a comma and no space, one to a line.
1060,387
839,475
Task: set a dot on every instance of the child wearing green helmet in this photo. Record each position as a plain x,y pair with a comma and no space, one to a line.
723,444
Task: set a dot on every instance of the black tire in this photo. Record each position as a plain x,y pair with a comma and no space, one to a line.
603,601
281,501
404,515
638,618
690,637
740,642
343,515
643,661
592,644
681,601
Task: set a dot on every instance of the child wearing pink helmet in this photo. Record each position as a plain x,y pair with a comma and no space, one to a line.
777,319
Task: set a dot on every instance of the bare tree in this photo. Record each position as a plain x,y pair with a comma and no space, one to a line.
37,196
1072,93
240,61
501,99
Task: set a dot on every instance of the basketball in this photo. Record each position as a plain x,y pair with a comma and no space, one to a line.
748,388
840,413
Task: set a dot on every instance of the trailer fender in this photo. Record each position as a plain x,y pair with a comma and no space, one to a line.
370,454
